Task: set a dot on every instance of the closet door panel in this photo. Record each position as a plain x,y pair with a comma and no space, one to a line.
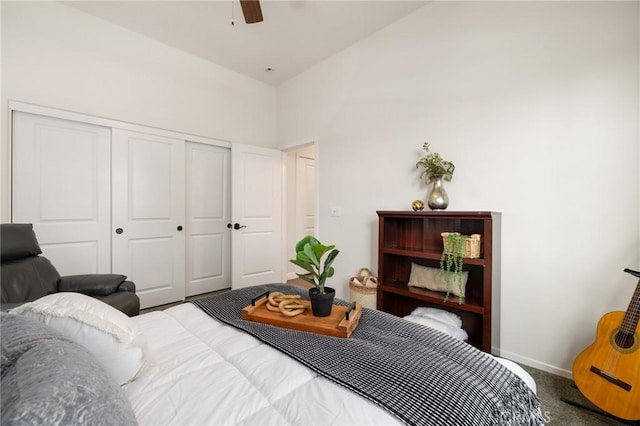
61,184
208,213
150,195
148,215
257,247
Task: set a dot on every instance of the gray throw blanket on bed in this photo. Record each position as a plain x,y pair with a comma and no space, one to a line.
422,376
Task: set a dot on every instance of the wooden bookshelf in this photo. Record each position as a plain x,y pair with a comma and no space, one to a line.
406,236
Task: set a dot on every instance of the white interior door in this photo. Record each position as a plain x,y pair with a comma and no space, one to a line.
305,196
148,208
257,204
208,213
61,184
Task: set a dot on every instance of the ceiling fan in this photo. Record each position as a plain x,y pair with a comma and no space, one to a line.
251,11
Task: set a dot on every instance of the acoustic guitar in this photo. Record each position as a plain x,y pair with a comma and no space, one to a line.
607,373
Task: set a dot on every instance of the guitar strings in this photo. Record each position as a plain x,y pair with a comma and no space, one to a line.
622,336
631,317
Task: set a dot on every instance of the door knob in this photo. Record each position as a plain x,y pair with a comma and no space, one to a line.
118,231
179,227
235,226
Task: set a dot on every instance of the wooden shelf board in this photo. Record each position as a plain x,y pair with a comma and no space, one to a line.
472,215
434,297
427,254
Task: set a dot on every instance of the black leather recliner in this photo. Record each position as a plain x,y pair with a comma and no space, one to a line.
26,276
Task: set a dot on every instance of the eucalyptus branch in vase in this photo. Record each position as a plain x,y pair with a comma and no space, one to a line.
434,166
435,170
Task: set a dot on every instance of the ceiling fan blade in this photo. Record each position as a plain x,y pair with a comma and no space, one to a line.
251,11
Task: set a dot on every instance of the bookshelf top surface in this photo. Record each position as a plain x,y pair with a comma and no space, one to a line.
457,214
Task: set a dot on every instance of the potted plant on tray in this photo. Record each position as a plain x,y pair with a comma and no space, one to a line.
316,258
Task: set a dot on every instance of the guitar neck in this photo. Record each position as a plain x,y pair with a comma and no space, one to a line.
632,316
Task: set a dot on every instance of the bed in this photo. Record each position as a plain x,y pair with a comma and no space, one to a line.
201,367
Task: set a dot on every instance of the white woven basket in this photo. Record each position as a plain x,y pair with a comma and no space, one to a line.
364,288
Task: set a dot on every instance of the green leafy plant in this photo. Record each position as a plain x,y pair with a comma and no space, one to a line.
315,258
451,262
434,166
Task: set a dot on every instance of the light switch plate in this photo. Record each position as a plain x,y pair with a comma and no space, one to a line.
335,212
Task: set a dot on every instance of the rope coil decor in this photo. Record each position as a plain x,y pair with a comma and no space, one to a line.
365,278
287,304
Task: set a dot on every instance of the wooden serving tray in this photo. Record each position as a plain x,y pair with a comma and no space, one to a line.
336,324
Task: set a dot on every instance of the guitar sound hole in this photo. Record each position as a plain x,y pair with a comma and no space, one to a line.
624,340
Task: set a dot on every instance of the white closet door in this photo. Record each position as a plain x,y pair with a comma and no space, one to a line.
208,213
61,184
148,214
257,246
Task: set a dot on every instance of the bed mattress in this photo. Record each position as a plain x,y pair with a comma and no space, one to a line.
200,371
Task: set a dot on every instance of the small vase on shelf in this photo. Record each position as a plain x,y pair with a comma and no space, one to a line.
438,198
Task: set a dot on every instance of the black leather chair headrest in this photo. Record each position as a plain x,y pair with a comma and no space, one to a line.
17,240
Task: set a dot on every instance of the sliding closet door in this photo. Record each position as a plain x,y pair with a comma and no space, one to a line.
61,184
208,213
148,214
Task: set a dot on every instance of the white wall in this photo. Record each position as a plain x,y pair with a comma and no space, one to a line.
57,56
537,104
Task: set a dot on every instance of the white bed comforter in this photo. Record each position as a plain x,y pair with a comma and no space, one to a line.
199,371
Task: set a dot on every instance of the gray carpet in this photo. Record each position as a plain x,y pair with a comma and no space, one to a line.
551,388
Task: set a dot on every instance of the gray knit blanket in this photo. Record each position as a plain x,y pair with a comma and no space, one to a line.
422,376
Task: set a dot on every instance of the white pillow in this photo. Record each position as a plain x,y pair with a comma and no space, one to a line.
456,333
103,330
440,315
433,279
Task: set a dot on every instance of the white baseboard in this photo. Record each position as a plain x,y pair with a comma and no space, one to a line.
536,364
291,276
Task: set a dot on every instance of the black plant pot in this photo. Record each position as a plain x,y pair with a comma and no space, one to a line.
321,303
